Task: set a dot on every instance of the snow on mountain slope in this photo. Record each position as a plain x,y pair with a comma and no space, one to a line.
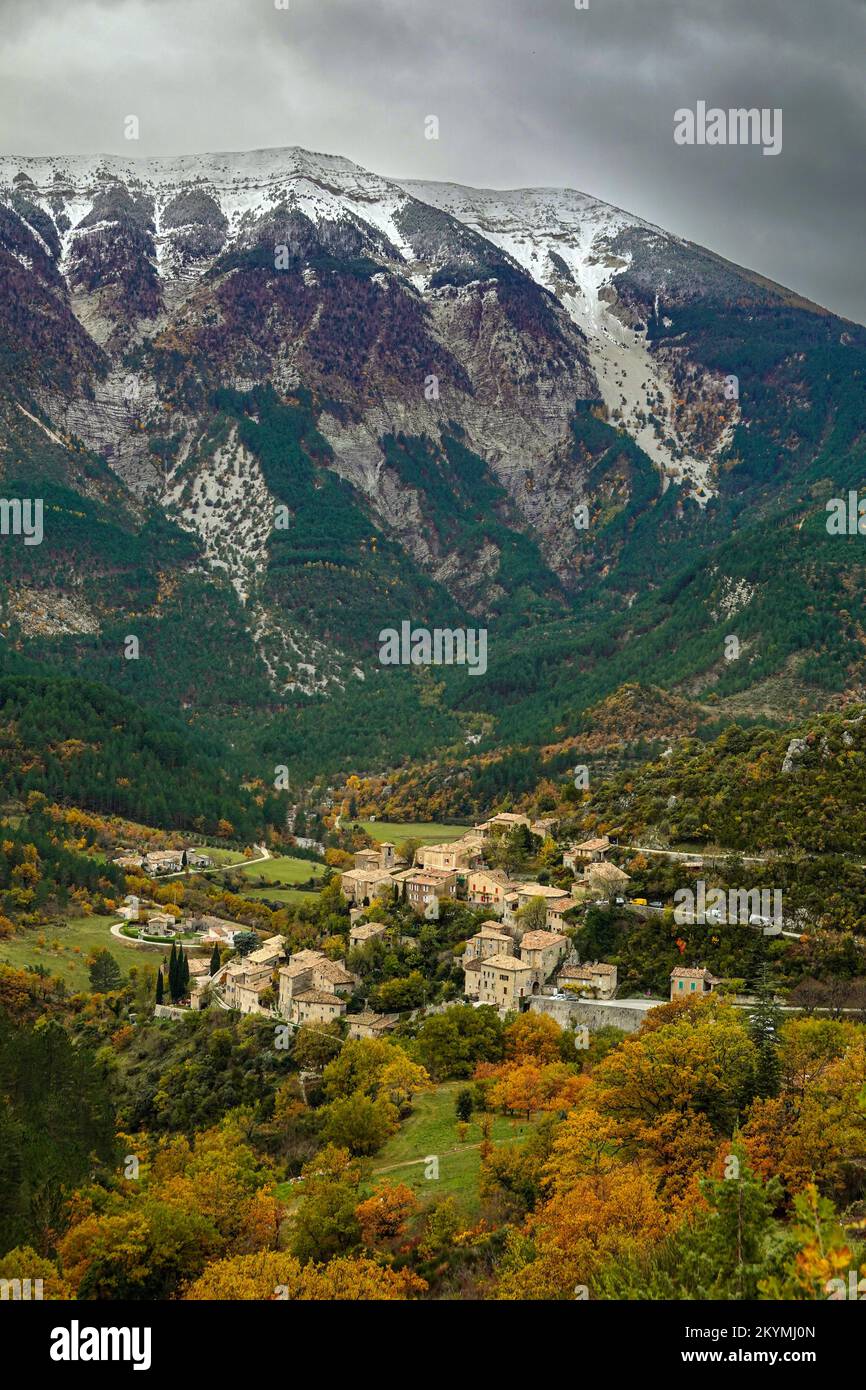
192,208
564,239
255,182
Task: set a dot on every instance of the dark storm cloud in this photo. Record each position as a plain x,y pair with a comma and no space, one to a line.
526,92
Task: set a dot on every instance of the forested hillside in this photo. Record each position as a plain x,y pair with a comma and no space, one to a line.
83,744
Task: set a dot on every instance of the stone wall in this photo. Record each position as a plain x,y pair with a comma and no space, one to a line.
169,1011
627,1014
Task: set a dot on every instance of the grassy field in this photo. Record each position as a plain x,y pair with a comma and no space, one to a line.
220,856
431,1130
284,870
429,833
76,941
280,895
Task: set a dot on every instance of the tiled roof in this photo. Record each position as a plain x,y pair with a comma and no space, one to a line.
537,940
318,996
502,963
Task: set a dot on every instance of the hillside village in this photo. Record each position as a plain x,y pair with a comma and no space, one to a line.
522,956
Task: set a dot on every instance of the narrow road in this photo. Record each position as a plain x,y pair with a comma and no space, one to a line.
446,1153
221,868
692,857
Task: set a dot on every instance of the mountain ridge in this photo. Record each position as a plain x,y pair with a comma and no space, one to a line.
429,388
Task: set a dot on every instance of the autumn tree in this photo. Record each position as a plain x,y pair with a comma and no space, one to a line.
359,1123
325,1224
280,1276
383,1217
23,1263
533,1035
533,917
603,1216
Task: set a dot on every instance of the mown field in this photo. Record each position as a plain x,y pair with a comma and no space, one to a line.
279,895
428,832
283,870
431,1131
66,949
220,856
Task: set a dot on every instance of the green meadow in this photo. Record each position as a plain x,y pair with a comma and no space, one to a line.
431,1131
427,832
67,948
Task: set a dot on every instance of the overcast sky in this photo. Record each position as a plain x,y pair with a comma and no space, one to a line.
526,92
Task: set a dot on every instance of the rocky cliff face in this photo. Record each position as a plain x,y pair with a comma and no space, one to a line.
465,367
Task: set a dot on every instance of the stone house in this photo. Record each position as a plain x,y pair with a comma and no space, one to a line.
455,854
127,860
590,851
603,880
383,856
421,886
317,1006
542,952
361,885
544,827
332,975
504,981
522,893
595,978
269,952
243,982
686,982
215,931
487,888
161,924
556,910
472,976
164,861
248,994
296,977
505,820
490,940
371,1025
363,932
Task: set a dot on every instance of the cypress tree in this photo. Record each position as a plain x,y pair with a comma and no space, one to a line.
214,960
172,974
183,972
160,988
764,1027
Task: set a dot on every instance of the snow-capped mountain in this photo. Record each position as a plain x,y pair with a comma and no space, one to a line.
576,246
185,212
427,378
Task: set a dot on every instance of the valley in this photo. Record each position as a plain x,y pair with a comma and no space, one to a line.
432,746
242,428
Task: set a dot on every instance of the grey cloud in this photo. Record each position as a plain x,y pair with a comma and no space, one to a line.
527,92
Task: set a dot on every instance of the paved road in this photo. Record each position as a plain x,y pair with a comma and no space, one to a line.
695,858
221,868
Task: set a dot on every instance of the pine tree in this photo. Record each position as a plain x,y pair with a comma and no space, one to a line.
160,987
105,973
